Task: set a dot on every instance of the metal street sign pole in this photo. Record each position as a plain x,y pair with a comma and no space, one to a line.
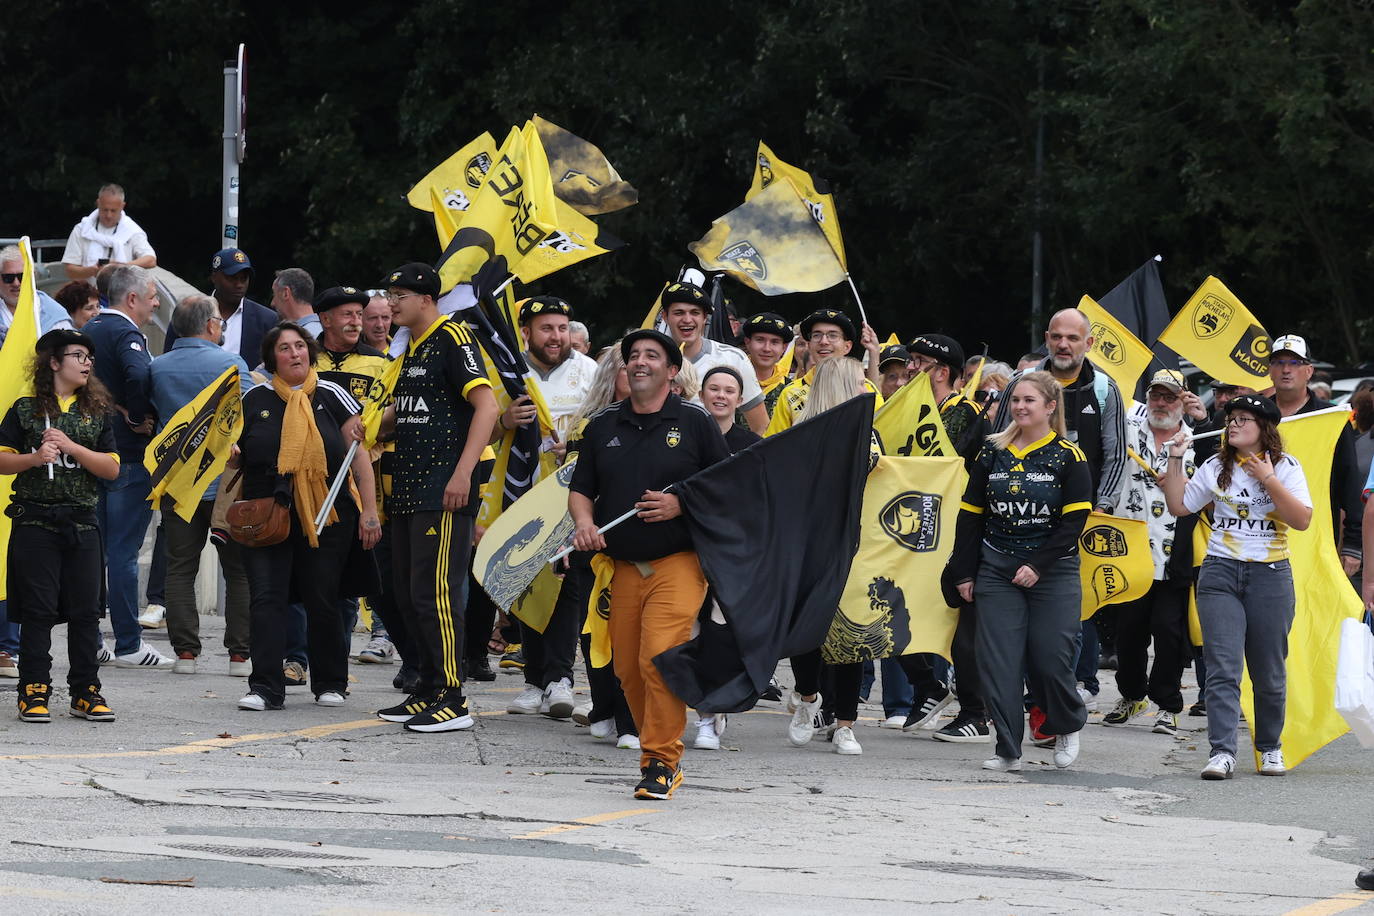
235,91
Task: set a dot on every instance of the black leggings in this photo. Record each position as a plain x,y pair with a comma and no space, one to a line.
838,684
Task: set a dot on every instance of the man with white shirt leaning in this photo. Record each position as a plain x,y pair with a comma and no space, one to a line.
107,235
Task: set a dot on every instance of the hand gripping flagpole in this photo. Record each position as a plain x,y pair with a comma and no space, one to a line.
334,489
604,528
1340,408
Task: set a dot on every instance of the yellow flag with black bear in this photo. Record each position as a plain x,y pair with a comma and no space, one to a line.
1115,564
1115,350
1220,336
909,423
193,447
892,603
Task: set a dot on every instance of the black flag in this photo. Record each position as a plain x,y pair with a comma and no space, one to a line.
775,527
1138,303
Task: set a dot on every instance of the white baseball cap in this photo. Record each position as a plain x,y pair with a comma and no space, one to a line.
1293,344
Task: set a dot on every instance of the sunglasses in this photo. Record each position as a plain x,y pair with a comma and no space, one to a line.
11,278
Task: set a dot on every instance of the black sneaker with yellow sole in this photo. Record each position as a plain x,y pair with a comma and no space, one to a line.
89,704
513,659
33,703
447,712
660,781
407,709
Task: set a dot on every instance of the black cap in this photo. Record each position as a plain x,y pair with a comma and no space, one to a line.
892,353
677,291
416,277
1255,404
663,340
768,323
829,316
336,296
939,348
544,305
58,338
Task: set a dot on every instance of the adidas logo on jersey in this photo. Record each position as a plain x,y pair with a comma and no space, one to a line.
1088,408
431,531
613,443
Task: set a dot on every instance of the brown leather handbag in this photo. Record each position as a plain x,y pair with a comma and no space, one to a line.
259,522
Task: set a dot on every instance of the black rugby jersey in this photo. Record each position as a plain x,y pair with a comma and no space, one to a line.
442,367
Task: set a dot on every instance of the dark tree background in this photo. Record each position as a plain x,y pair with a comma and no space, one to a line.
1234,138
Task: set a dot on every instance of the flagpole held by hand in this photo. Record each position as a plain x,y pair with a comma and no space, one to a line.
48,425
1340,408
334,489
603,529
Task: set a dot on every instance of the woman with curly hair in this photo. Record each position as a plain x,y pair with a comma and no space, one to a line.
59,444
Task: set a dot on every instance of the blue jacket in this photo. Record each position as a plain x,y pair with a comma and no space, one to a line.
258,319
121,363
183,372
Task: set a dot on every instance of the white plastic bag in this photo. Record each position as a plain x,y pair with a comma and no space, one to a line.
1355,679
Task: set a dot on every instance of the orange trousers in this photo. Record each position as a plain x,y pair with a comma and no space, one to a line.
650,614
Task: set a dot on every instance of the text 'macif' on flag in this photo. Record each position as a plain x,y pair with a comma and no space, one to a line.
16,357
191,451
1324,596
582,175
1115,565
456,180
777,564
1220,336
1115,350
772,244
768,168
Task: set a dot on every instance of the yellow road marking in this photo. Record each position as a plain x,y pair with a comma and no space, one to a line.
1337,904
196,747
582,823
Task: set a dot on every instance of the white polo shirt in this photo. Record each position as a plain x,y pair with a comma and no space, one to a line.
565,388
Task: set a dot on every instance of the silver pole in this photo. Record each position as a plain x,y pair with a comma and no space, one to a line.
229,211
1339,408
334,489
602,530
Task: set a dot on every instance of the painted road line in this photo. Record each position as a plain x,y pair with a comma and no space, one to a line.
1337,904
582,823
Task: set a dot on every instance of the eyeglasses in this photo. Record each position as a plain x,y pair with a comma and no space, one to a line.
11,278
394,298
1239,421
921,363
826,336
1167,397
81,356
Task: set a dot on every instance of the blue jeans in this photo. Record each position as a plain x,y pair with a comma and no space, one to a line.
1089,650
124,513
897,690
9,632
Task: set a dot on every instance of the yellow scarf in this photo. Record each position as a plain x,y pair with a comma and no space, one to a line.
780,370
302,454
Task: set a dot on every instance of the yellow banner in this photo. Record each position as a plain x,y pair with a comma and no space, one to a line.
1115,350
582,175
1324,599
768,168
909,424
598,624
1115,564
892,604
190,452
16,381
1219,335
456,180
773,244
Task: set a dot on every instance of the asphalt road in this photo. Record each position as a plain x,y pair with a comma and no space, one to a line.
318,810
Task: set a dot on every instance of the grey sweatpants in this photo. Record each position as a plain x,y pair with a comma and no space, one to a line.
1246,610
1028,631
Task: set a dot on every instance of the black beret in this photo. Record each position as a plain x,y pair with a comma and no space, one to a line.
416,277
829,316
58,338
892,353
690,293
1254,404
544,305
768,323
336,296
663,340
940,348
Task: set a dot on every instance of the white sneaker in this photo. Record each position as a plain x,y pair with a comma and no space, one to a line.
628,743
527,703
184,666
1065,750
145,657
803,725
330,698
1003,764
379,651
580,714
603,729
893,722
1271,763
557,702
103,655
1220,766
845,742
1089,699
253,701
154,617
707,739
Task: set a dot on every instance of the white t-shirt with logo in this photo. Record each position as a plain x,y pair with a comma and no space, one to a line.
1245,523
565,387
713,353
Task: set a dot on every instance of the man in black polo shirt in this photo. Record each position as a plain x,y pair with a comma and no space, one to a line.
632,452
443,414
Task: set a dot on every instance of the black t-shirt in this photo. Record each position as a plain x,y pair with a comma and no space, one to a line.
442,368
72,486
261,440
740,437
624,453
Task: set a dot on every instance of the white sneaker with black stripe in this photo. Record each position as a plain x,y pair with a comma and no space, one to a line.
144,657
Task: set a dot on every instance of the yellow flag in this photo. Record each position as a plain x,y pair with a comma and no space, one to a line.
772,244
768,168
374,408
1324,599
1115,350
445,221
909,424
1220,336
598,624
582,175
892,603
1115,564
655,311
16,381
891,340
190,452
456,180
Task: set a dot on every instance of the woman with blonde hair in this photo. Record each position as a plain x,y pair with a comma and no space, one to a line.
1016,553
